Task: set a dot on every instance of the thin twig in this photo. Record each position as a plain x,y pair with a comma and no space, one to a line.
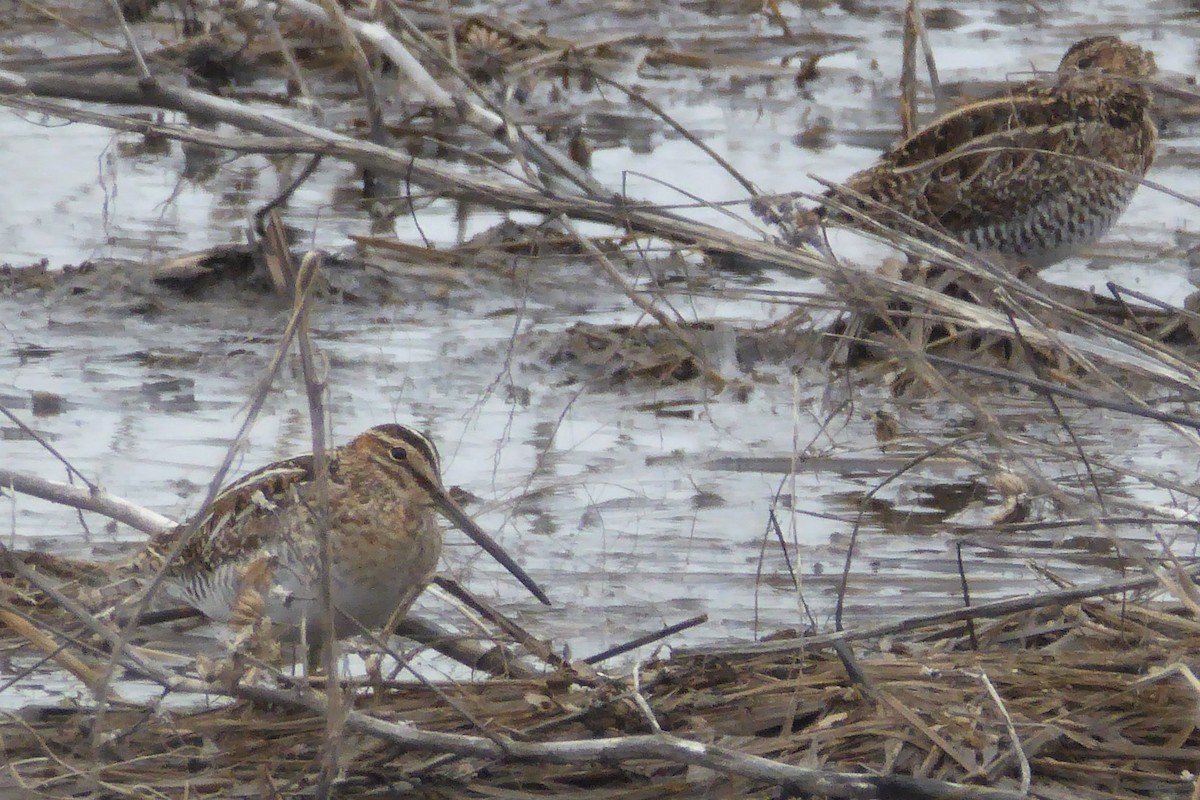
640,701
992,610
95,500
678,127
1013,740
131,40
908,71
645,639
966,592
535,646
49,448
378,132
314,385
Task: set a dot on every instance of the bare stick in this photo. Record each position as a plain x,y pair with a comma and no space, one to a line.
641,703
95,500
552,160
935,84
362,70
998,608
134,49
1014,740
531,643
483,119
908,71
646,639
314,386
49,448
495,660
965,585
87,675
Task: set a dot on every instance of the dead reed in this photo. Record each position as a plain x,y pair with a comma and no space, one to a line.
1080,696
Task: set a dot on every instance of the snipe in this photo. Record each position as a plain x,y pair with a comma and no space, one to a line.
254,553
1035,172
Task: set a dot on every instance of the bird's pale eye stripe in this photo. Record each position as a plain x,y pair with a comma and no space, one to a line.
418,442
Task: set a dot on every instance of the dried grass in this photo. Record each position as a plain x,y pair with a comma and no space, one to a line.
1097,692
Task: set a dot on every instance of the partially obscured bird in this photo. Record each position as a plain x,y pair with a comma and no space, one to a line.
255,552
1034,172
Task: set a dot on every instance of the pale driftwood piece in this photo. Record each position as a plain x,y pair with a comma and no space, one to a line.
99,502
382,39
640,701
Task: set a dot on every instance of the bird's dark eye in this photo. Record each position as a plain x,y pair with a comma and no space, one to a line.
399,453
1085,63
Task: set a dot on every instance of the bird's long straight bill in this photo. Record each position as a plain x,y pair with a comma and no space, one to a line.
455,514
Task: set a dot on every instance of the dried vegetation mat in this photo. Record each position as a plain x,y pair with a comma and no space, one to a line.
1062,695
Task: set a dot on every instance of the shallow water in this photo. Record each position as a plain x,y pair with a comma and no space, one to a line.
632,518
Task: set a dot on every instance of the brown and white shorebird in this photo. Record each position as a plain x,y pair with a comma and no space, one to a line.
1034,172
254,553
